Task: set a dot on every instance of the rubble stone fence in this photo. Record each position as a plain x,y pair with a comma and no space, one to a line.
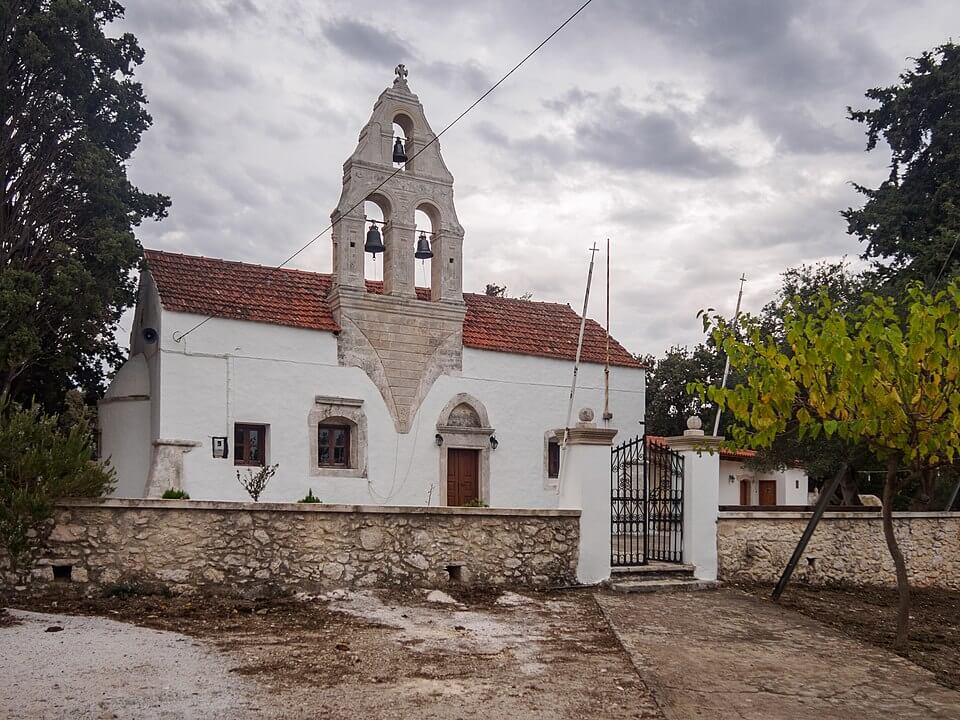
846,548
190,545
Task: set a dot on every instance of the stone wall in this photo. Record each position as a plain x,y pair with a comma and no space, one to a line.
249,547
845,548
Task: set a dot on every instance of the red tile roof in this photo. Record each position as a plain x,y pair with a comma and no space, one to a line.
296,298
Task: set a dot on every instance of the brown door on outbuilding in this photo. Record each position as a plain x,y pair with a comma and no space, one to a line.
463,476
768,492
744,492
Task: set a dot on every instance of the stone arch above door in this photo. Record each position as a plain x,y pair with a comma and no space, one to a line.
464,411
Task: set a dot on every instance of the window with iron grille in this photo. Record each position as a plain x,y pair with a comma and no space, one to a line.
333,446
249,444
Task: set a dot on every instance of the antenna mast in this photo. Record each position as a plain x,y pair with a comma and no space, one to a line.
726,364
576,368
607,415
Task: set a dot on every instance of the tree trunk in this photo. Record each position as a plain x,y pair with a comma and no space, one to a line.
903,585
848,487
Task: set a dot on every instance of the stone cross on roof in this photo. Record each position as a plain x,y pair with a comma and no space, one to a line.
401,71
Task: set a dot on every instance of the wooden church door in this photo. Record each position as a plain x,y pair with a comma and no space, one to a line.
463,476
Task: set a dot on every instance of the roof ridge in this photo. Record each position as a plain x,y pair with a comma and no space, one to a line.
239,262
521,300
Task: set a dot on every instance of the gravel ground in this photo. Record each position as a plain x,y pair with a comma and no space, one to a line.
98,668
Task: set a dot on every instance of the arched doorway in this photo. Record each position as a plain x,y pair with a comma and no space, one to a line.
464,435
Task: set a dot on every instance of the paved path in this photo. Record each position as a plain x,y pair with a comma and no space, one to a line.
97,668
723,654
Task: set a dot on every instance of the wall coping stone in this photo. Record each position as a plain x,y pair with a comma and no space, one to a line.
220,505
698,443
902,515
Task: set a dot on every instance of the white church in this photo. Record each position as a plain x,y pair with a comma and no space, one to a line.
362,391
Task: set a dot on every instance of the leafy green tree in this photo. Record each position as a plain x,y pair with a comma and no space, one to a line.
41,461
71,115
885,374
911,222
822,457
669,402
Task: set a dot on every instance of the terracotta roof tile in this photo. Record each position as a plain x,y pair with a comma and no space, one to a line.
240,291
296,298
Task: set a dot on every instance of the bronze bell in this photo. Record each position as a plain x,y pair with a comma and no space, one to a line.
399,155
423,248
374,242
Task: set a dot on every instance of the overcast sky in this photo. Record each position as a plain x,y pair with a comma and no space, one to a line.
705,138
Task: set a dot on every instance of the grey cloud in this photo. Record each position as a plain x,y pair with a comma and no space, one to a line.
200,70
468,75
573,98
629,139
622,138
173,17
366,43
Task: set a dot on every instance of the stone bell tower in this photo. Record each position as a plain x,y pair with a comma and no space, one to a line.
402,342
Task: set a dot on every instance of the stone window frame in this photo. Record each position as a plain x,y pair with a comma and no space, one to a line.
555,434
338,411
465,438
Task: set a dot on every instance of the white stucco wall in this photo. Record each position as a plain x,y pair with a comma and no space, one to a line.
232,371
791,484
124,419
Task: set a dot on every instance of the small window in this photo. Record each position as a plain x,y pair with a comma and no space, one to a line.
333,446
553,458
249,444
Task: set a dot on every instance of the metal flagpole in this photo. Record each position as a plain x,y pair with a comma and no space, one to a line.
726,364
576,369
607,415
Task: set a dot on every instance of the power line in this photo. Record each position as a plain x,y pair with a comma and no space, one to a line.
415,155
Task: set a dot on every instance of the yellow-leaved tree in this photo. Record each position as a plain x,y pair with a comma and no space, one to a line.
886,373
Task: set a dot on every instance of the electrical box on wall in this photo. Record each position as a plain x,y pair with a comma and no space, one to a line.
220,448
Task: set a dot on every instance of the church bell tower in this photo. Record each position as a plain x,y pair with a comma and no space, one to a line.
403,342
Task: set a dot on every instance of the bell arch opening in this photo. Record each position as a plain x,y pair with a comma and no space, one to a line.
423,245
403,149
376,213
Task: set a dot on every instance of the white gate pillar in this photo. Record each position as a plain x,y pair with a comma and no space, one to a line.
585,486
701,497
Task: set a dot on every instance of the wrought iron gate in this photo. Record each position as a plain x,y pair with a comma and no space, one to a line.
646,493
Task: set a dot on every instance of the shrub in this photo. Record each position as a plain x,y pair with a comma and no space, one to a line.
172,494
310,497
256,482
42,459
477,502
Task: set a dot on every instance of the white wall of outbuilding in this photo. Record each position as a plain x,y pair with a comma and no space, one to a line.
791,483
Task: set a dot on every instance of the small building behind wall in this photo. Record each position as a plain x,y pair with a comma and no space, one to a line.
365,391
743,486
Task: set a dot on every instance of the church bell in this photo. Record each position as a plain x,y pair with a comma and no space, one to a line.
374,242
423,248
399,155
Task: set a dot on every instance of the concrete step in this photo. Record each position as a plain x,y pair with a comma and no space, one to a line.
661,585
655,568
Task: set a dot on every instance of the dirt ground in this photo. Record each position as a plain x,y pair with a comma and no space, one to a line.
869,614
393,655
